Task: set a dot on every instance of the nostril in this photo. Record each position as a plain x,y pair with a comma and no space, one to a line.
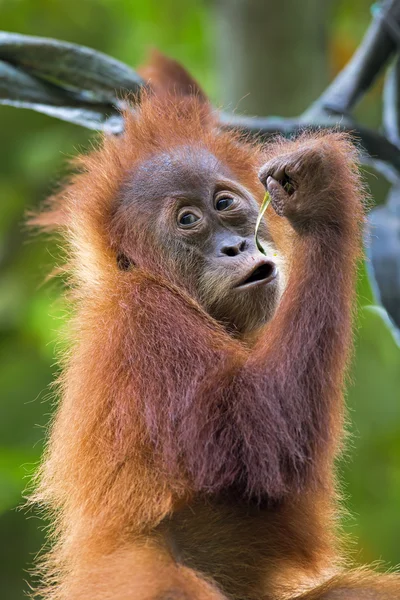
234,249
230,250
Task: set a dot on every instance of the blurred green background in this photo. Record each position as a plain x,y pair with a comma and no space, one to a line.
207,37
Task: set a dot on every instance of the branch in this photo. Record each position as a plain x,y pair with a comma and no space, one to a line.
82,86
378,45
377,150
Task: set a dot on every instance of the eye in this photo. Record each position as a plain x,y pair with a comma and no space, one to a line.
187,218
224,202
123,262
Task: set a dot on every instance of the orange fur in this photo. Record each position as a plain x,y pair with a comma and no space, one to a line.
125,526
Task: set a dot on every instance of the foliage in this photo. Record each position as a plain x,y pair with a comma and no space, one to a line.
371,467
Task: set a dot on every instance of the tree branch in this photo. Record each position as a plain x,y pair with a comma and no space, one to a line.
82,86
359,74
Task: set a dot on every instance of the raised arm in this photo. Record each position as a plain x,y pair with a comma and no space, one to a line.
299,364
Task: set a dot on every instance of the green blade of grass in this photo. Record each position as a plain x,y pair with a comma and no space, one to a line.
263,208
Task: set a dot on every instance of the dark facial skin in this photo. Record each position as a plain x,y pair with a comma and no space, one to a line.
188,206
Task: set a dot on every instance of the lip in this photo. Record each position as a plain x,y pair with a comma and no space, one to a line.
262,273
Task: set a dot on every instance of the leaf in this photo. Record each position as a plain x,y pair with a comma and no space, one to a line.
66,81
391,103
70,66
263,208
21,90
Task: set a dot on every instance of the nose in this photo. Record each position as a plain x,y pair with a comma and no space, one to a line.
234,248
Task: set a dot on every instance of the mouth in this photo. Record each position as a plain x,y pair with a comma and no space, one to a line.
264,272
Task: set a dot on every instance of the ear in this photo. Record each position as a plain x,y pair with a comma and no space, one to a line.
165,75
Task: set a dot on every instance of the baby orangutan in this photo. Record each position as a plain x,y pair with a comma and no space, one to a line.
191,456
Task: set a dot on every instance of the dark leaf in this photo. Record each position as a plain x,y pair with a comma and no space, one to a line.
391,104
94,75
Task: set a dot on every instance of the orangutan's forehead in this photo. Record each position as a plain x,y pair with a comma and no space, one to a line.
183,170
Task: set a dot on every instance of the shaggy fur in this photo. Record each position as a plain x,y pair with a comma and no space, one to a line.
185,462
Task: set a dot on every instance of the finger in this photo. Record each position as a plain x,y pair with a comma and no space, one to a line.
273,168
278,195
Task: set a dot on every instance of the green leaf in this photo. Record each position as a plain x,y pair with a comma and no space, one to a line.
263,208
